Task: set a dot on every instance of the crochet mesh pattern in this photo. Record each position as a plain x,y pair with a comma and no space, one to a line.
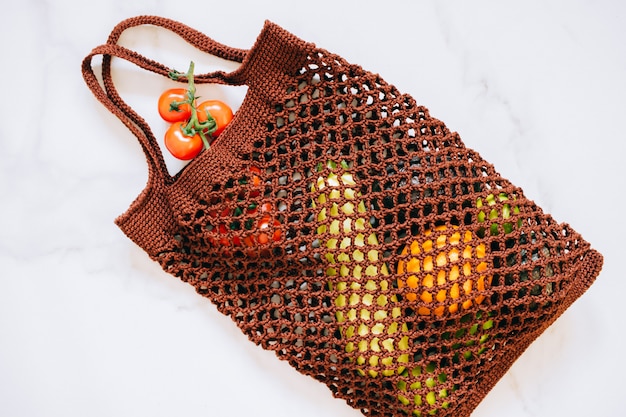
342,227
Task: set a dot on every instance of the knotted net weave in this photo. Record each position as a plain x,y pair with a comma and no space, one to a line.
343,227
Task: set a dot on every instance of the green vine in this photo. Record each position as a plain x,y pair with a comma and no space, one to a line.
193,126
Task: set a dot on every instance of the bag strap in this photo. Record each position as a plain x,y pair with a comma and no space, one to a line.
193,37
107,94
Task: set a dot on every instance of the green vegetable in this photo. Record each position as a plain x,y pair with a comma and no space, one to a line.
357,273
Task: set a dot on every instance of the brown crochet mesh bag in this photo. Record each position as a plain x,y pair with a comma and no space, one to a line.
341,226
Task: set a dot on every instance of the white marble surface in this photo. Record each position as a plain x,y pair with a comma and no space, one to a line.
89,326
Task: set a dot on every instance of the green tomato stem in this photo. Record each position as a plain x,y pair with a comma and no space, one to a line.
205,140
191,99
194,126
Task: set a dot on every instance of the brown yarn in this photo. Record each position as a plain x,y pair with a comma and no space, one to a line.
341,226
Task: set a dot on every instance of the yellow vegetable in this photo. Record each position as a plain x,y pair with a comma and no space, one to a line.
444,270
439,259
356,271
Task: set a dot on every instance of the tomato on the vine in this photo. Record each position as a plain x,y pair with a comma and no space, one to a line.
180,145
250,224
256,182
169,110
220,111
255,233
269,229
201,122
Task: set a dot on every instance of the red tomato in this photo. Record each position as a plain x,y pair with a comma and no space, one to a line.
265,227
219,111
261,232
254,231
256,182
180,145
265,207
169,111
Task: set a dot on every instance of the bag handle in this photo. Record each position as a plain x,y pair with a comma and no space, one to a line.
193,37
107,94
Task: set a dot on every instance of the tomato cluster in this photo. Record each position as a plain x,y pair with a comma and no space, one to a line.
242,224
249,224
193,125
